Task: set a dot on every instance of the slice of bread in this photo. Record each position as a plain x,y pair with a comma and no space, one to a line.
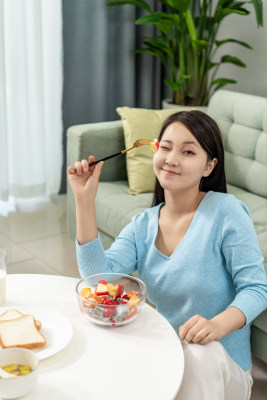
10,314
21,332
13,314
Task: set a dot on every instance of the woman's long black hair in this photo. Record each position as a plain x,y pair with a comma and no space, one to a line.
207,133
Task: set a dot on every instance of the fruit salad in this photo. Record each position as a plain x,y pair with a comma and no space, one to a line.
110,303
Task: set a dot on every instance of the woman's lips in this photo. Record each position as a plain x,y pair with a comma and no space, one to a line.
170,172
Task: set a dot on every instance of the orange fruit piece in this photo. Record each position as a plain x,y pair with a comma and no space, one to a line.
133,312
131,293
85,292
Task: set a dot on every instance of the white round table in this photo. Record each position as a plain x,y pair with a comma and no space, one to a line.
140,361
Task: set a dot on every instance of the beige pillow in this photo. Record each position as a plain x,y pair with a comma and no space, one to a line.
140,123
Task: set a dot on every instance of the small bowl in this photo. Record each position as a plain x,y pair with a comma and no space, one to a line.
112,315
21,385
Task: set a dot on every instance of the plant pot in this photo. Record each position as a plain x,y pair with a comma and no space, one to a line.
166,104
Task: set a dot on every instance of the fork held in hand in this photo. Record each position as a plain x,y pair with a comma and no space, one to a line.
137,143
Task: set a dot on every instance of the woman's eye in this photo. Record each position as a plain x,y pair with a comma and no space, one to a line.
189,152
164,147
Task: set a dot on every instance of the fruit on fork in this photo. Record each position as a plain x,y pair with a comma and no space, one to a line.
154,145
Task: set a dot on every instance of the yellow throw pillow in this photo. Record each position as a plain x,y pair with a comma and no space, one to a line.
140,123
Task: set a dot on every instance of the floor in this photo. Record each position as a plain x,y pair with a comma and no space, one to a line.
36,240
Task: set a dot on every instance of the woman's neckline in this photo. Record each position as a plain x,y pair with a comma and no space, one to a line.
180,244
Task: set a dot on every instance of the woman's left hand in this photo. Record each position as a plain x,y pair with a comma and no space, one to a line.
200,330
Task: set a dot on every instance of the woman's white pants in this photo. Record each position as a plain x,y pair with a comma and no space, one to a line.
211,374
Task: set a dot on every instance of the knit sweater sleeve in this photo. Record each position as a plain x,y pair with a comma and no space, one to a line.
120,257
244,260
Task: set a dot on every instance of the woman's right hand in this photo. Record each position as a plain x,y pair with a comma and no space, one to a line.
84,179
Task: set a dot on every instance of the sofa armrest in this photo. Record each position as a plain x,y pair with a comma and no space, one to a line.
99,139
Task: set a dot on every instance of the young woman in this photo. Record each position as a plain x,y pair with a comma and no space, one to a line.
196,250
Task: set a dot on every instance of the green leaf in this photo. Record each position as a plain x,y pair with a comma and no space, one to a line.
152,52
190,94
220,82
223,80
233,60
181,5
138,3
173,85
225,3
211,64
159,43
223,12
244,44
191,27
158,17
185,76
165,27
257,4
202,43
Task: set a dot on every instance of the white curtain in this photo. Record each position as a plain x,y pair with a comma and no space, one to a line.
30,98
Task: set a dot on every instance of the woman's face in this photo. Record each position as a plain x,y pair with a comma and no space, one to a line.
180,161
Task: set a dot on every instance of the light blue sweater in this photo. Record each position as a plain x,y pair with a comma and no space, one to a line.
217,264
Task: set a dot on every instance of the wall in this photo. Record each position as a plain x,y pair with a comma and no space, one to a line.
253,79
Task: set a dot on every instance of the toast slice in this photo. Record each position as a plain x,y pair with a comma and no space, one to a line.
13,314
21,332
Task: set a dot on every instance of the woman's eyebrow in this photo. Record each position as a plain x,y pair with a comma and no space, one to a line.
186,142
191,142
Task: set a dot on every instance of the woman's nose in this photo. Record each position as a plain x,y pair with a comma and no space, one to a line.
172,160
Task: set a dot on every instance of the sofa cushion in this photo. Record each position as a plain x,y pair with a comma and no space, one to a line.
141,123
242,120
257,206
115,208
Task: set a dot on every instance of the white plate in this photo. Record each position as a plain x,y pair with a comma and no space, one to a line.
55,328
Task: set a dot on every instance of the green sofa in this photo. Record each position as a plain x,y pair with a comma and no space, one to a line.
242,119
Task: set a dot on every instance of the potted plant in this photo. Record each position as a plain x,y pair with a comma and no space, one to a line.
186,43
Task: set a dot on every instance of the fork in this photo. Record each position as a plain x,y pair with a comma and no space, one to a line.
139,142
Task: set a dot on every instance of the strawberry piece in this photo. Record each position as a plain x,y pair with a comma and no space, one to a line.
101,293
126,297
110,302
109,312
120,290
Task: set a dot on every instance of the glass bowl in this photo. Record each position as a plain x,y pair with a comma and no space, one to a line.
111,299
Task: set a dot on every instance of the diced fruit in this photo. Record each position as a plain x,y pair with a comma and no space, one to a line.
132,313
85,292
131,293
98,299
133,300
120,290
101,289
110,302
101,293
109,312
112,290
154,145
